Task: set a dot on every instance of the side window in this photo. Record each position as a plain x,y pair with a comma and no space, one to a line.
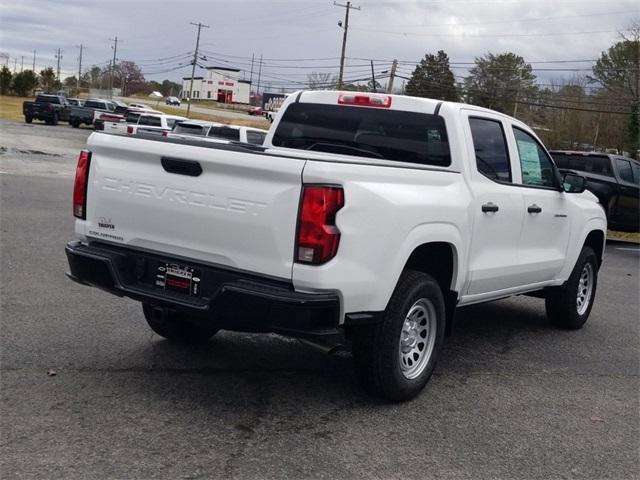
599,166
490,145
636,173
537,168
624,169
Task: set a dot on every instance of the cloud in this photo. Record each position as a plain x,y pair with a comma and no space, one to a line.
405,30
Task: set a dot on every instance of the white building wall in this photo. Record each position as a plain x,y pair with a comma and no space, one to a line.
215,80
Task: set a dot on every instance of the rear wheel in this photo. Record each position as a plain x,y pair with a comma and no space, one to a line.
74,123
396,357
569,306
54,120
177,327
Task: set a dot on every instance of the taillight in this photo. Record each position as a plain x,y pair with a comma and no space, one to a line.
365,100
130,130
165,133
80,185
318,237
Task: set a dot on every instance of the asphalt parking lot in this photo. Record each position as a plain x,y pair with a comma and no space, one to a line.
512,397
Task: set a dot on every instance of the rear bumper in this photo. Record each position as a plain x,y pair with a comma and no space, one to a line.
233,300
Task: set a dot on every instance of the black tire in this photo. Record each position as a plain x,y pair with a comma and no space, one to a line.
177,327
28,119
562,303
74,124
54,120
376,348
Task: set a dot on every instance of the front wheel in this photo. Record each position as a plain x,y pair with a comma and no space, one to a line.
28,119
569,306
54,120
396,357
177,327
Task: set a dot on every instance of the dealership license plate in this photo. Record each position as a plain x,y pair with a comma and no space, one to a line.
178,278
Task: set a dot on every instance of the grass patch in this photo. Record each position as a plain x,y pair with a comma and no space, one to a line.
623,236
248,122
11,107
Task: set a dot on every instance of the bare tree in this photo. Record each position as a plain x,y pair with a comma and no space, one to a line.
319,81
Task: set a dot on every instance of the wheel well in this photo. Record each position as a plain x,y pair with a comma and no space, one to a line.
595,240
438,260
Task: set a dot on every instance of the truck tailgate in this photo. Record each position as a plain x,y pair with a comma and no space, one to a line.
240,212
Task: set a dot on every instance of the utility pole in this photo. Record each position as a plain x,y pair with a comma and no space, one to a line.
373,79
34,61
79,67
392,75
15,65
195,60
58,57
259,75
21,63
113,66
251,78
345,27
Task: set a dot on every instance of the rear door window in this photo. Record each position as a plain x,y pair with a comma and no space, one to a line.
490,146
365,132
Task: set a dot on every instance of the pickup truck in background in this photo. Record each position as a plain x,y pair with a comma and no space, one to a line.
49,108
364,220
86,113
210,131
614,179
147,123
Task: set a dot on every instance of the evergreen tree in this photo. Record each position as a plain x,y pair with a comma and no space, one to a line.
433,78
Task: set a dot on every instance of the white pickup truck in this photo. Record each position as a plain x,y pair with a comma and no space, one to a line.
148,123
216,132
366,219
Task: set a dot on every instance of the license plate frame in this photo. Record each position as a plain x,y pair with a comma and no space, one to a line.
178,278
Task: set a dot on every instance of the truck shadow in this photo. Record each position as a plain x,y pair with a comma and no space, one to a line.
484,338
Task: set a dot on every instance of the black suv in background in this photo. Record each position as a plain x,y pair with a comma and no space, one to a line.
614,179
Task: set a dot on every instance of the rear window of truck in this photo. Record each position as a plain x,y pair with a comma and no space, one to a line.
226,133
598,164
189,129
365,132
47,99
98,105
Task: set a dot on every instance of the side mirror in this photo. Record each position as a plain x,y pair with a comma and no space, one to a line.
572,183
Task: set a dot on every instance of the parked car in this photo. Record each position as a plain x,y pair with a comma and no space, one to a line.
366,219
140,106
255,111
147,123
86,113
172,101
218,131
75,101
48,108
614,179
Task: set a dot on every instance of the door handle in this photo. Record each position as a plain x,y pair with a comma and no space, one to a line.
490,207
181,167
534,208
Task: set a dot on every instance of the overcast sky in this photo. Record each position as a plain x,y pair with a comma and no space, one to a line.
158,36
